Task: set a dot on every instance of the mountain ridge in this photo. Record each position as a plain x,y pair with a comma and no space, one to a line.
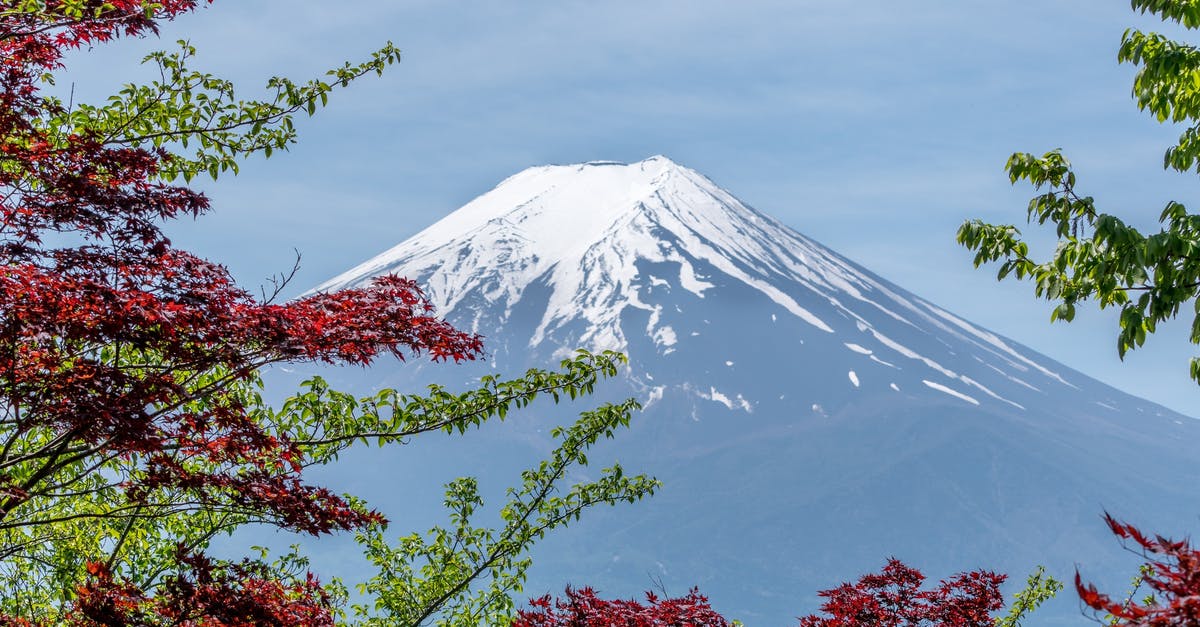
808,418
598,237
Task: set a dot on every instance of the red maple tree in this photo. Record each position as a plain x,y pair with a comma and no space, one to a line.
118,350
582,608
890,598
205,594
1173,579
893,598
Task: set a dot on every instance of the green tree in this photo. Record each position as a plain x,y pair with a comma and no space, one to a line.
1039,588
1150,277
132,430
466,574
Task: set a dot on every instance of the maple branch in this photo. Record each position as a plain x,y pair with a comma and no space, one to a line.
280,281
63,24
159,510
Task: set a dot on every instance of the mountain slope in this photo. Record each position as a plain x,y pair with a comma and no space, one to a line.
601,241
808,418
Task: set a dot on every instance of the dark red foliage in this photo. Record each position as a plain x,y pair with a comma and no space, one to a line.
109,335
894,598
103,342
1173,579
582,608
52,29
204,595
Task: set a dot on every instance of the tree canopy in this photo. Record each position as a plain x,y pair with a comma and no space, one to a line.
1150,277
132,430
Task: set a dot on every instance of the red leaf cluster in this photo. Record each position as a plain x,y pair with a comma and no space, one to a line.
117,347
1173,579
106,342
582,608
65,24
205,594
893,598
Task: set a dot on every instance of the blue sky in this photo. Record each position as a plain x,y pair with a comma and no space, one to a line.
875,127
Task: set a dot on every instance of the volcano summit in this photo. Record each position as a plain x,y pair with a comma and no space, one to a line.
807,417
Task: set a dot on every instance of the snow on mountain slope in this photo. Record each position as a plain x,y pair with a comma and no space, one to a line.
583,231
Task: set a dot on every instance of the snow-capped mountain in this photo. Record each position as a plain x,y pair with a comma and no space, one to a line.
599,242
809,419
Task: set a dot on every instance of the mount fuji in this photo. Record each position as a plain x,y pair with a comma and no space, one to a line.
808,418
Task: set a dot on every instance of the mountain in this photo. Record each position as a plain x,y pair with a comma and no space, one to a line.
809,419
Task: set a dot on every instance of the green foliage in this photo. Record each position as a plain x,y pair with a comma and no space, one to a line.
187,111
1135,584
86,515
1039,588
463,574
325,421
68,10
1149,277
428,579
1185,12
466,574
72,505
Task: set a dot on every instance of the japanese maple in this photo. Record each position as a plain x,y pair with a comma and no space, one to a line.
890,598
132,431
205,594
894,598
1172,575
582,608
123,358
